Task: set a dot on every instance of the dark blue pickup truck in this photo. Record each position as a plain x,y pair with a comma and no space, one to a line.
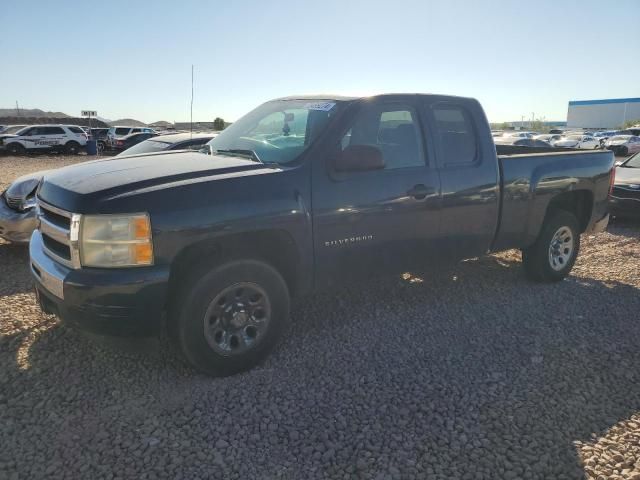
300,193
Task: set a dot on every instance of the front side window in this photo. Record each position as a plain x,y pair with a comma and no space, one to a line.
276,132
393,129
457,136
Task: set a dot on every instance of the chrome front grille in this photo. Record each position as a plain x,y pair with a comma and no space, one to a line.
59,230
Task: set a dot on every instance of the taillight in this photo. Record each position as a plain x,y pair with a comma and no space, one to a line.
612,180
119,142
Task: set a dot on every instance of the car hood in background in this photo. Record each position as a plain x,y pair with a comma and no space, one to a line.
21,187
627,176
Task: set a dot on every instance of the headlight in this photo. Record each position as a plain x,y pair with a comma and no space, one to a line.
28,204
116,241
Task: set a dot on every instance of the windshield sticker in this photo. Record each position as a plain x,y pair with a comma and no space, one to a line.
322,106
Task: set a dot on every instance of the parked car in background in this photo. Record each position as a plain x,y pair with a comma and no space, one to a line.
172,141
623,145
584,142
624,200
520,134
550,138
63,138
497,133
119,132
631,131
521,142
17,208
128,141
12,129
100,135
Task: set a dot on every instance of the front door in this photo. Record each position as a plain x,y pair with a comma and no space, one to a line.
48,137
369,222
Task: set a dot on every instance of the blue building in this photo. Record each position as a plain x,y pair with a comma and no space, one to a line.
604,114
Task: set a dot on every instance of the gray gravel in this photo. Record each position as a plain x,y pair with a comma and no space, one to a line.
468,373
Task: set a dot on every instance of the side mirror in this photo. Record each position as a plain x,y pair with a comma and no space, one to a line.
359,158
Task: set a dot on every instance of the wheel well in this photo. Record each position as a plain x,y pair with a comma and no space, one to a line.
578,202
275,247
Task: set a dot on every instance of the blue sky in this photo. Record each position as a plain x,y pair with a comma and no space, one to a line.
133,58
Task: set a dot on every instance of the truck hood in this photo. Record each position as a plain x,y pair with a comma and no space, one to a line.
68,186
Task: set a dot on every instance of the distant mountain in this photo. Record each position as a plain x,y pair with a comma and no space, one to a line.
161,123
31,112
128,122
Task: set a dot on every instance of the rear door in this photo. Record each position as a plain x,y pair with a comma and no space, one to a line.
469,176
370,222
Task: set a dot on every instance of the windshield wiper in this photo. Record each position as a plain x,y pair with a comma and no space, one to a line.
241,152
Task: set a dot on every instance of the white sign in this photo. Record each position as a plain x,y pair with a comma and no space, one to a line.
322,106
89,113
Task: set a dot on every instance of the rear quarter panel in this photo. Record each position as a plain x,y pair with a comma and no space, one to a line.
530,182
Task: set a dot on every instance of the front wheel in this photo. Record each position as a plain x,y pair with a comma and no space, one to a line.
228,318
552,256
15,149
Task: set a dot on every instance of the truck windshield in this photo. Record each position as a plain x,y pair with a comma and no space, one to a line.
277,131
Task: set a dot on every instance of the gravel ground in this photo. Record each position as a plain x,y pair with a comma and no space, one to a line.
469,373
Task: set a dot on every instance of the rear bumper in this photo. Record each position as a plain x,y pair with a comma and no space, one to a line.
120,302
16,226
624,207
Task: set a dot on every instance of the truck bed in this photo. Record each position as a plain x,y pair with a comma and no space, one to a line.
530,180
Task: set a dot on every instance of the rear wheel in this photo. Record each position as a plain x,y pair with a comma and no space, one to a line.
623,151
16,149
72,148
228,318
552,256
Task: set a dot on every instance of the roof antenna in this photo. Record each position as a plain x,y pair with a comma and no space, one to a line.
191,122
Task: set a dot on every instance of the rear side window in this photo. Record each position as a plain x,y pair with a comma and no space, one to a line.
76,130
122,131
456,134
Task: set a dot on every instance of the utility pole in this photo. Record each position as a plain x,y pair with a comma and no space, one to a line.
191,121
17,108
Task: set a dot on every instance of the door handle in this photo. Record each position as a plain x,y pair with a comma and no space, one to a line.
420,191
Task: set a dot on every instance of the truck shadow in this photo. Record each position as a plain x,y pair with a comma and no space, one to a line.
490,370
14,269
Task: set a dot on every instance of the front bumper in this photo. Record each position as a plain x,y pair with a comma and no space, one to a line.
120,302
16,226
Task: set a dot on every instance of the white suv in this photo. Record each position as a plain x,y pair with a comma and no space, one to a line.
115,133
66,138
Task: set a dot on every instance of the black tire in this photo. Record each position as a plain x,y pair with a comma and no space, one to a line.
201,292
547,259
72,148
16,149
101,146
623,151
